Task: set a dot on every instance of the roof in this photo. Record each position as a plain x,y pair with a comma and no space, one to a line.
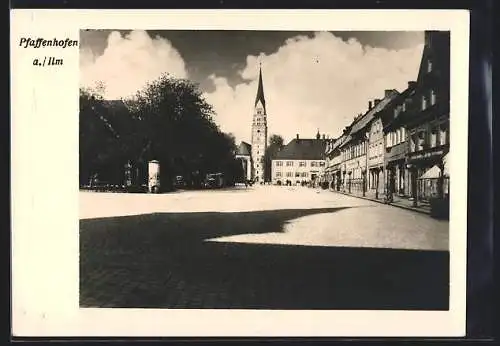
244,149
260,92
389,119
303,149
370,115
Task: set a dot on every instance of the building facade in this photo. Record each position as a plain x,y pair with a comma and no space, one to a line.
300,161
243,154
259,133
400,146
362,151
427,121
396,143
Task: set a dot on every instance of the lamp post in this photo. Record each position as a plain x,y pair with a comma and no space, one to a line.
364,182
413,180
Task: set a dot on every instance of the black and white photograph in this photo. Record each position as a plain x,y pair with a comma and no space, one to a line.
240,173
264,169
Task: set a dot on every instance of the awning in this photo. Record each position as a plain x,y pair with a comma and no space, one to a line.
435,172
432,173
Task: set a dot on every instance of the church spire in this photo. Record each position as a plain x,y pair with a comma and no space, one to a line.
260,90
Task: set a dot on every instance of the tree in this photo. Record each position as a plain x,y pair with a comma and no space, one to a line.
168,120
276,140
276,143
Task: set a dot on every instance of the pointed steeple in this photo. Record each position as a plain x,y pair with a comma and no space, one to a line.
260,91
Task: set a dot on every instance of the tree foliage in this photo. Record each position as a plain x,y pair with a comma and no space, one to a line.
276,143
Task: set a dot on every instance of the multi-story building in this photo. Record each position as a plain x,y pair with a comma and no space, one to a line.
364,141
333,162
300,161
259,133
427,121
396,144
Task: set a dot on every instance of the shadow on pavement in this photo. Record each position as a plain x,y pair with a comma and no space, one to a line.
163,261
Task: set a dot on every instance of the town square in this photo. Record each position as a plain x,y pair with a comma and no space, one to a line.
198,192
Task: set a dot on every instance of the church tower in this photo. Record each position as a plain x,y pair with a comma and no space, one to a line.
259,132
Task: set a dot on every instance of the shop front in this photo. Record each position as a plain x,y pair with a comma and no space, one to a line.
429,175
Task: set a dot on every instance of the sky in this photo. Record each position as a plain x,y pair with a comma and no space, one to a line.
312,80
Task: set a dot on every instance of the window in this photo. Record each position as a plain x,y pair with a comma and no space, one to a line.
279,163
289,163
289,174
403,106
443,134
424,103
403,134
297,174
278,174
414,142
433,97
322,164
313,164
434,141
302,164
304,174
429,65
421,141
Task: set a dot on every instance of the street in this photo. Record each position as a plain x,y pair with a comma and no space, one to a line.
262,247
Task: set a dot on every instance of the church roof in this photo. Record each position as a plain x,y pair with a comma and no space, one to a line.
260,92
303,149
244,149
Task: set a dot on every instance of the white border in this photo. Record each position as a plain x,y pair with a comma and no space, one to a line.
45,182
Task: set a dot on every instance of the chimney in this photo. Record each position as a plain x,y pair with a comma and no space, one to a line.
297,136
376,102
412,84
323,136
369,105
387,93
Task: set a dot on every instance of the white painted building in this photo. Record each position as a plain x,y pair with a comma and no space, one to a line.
301,160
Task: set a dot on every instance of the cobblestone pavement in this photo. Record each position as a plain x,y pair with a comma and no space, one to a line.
262,247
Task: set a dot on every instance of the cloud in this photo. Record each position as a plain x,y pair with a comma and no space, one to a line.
129,62
310,83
